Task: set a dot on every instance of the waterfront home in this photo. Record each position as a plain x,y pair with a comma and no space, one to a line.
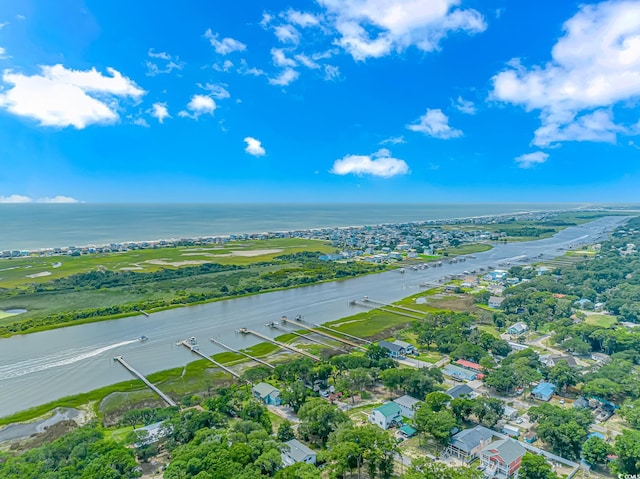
543,391
502,459
294,452
408,347
408,405
267,393
467,444
394,350
387,415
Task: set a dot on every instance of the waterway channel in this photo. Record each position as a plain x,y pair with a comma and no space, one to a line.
41,367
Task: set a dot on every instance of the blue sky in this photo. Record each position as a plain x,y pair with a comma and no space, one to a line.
319,101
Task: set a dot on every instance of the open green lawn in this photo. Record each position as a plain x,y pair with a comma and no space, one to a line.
601,320
467,249
14,272
369,323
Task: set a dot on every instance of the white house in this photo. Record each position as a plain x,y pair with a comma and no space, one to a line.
408,405
294,452
386,415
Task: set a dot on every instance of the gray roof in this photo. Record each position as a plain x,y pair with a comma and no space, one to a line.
403,344
508,449
407,401
297,451
469,439
391,346
264,389
459,390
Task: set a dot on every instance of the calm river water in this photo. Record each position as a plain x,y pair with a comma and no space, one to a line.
40,367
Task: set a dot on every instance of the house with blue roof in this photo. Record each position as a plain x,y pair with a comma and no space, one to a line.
459,374
543,391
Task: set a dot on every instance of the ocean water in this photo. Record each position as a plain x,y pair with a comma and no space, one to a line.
34,226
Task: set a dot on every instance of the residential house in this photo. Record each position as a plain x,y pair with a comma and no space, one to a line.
294,452
468,443
601,358
395,351
510,430
530,437
496,275
470,365
509,413
495,302
387,415
459,374
408,405
461,390
543,391
267,393
581,403
502,459
518,329
408,347
551,360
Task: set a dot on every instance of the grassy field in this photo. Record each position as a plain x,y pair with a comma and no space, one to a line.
369,323
467,249
601,320
16,272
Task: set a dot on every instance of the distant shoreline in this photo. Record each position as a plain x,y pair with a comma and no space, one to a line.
145,244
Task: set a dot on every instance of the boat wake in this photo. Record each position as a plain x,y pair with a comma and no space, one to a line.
62,358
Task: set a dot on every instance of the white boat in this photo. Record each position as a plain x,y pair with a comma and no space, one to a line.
142,339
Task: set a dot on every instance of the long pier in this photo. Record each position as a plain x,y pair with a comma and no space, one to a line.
387,310
321,333
150,385
209,358
278,343
242,353
404,308
307,337
340,332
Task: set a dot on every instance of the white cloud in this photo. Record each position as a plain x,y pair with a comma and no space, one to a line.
173,63
306,61
62,97
199,105
225,67
287,34
140,122
280,59
435,123
288,75
224,46
393,140
219,92
302,19
254,147
531,159
380,164
27,199
15,199
594,65
244,69
465,106
331,72
20,17
399,24
3,53
3,24
159,111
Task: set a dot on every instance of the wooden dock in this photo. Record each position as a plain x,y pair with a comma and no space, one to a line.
321,333
389,309
151,386
209,358
365,341
404,308
237,351
278,343
309,338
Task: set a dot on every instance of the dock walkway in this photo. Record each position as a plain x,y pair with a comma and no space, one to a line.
237,351
278,343
149,384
